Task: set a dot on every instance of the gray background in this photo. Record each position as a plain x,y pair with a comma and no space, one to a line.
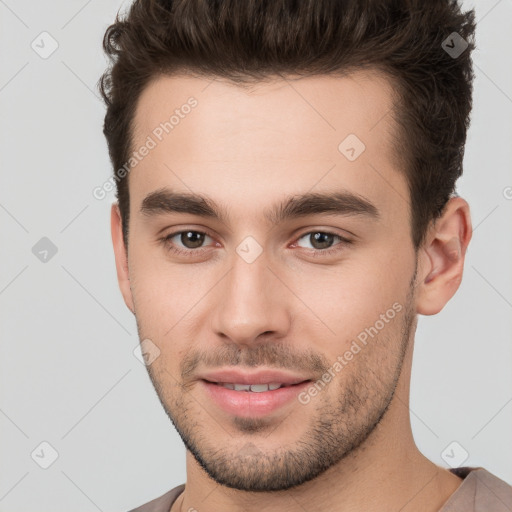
69,376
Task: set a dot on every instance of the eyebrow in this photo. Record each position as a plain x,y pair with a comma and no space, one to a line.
165,201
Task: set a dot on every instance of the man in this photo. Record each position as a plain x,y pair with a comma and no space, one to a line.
285,174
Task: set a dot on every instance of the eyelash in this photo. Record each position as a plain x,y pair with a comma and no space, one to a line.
315,253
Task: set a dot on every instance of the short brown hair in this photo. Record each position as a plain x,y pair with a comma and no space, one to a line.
246,41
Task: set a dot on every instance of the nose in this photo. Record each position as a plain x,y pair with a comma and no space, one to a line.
251,302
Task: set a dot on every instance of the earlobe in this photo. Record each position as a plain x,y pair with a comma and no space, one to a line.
442,257
121,256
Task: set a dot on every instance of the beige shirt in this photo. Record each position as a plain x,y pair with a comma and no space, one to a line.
480,491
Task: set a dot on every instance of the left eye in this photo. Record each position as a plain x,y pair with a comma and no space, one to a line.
321,240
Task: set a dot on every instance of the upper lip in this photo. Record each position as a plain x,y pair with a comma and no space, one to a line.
265,376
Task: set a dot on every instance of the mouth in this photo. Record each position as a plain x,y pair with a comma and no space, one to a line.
254,388
253,400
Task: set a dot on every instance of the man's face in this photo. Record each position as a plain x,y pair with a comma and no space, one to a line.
254,290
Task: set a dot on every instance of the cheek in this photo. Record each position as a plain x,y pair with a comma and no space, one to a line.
167,295
171,305
349,298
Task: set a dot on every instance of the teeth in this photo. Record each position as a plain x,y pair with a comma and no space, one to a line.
242,387
256,388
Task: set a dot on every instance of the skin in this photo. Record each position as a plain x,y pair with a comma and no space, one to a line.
351,447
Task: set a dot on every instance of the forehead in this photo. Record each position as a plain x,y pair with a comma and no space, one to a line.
285,135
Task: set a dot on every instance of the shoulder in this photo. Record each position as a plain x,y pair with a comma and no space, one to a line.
480,491
162,503
491,491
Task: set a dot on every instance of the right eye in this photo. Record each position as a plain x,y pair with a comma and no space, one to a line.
185,242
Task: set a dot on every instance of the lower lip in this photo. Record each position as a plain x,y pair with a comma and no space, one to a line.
249,403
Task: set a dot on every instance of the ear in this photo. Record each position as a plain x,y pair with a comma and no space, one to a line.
121,256
441,258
